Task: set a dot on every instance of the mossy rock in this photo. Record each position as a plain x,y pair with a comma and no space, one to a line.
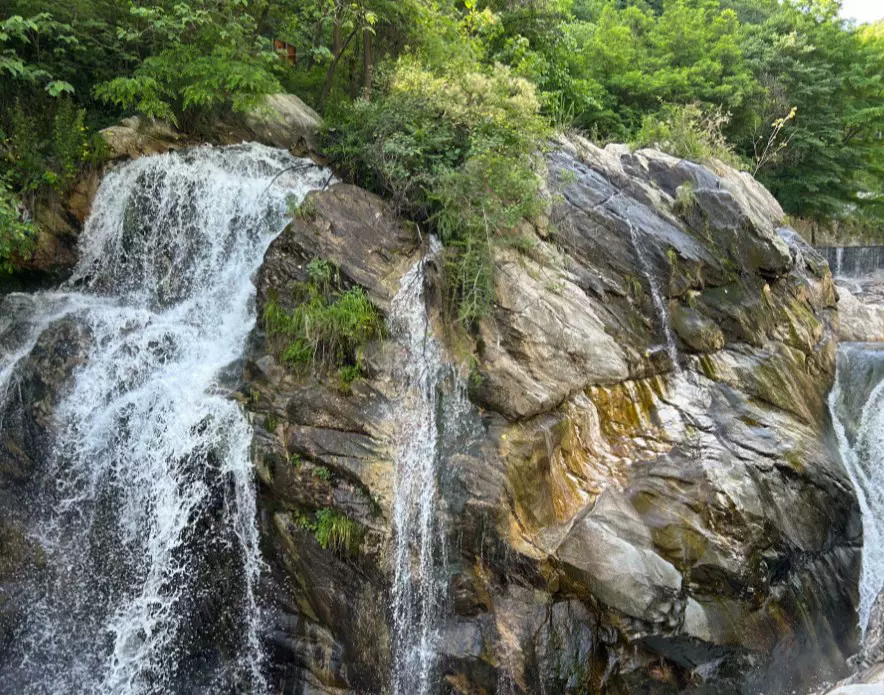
698,332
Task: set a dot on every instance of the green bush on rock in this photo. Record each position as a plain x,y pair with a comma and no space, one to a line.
457,148
16,235
689,132
337,532
333,531
327,328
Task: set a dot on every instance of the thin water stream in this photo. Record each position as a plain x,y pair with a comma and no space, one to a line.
656,298
432,415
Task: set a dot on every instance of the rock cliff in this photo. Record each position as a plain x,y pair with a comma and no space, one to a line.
641,495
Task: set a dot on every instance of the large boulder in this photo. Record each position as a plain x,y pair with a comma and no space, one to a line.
318,448
862,316
280,120
135,137
647,500
285,121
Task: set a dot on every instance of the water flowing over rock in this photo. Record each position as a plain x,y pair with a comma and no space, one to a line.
855,404
125,469
854,261
417,588
623,479
608,523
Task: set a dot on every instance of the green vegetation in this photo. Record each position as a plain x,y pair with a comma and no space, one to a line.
688,132
207,57
685,201
327,328
455,147
322,473
347,375
444,107
336,532
15,233
333,531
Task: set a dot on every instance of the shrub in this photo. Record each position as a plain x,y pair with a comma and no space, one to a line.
16,234
47,145
457,149
336,532
689,132
219,62
322,473
327,327
70,141
685,198
333,531
347,375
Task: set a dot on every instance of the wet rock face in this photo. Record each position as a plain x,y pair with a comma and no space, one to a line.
320,450
27,428
615,525
861,310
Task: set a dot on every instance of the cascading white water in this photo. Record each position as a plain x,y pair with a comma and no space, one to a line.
656,298
857,406
419,586
148,513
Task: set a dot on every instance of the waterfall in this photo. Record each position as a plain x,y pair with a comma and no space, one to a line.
854,261
419,582
857,407
656,297
146,508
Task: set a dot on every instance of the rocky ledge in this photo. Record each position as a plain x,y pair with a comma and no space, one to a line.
641,496
861,310
283,121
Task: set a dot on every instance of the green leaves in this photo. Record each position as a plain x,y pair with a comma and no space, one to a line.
56,88
16,234
442,106
18,34
207,57
327,328
456,148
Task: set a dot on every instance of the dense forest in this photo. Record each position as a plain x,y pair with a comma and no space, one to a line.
444,105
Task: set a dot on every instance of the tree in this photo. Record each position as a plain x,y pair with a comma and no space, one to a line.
204,57
805,57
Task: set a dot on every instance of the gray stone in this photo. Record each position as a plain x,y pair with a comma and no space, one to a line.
614,523
861,322
283,120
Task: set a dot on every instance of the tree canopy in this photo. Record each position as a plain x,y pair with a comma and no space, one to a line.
443,105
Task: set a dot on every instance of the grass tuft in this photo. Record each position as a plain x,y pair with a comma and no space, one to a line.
328,328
